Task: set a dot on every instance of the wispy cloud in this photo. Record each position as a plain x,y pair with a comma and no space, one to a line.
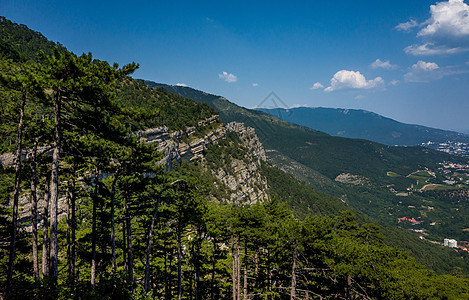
228,77
352,80
316,86
383,65
407,26
431,49
255,84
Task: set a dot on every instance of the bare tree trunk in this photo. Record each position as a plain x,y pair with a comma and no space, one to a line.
73,237
129,242
19,141
54,192
238,270
233,263
34,210
245,283
166,277
213,269
256,268
179,262
45,233
348,288
293,276
71,229
93,229
124,243
113,232
150,241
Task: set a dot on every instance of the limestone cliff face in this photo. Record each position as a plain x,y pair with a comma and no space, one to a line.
241,177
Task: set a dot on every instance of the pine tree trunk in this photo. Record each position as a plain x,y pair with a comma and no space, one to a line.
54,192
113,232
348,288
93,229
293,276
34,210
233,263
256,268
150,241
45,233
71,229
212,288
238,270
73,237
245,283
19,141
166,277
129,242
124,243
179,262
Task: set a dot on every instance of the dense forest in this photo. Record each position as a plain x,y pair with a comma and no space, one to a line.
87,212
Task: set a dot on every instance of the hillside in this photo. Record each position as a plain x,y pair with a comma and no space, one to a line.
361,124
359,172
115,190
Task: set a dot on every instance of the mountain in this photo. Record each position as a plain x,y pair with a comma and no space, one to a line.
362,124
153,196
372,178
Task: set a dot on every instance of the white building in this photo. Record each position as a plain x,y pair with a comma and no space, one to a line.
450,243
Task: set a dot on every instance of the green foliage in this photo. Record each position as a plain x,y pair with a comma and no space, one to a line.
21,43
317,158
147,108
200,247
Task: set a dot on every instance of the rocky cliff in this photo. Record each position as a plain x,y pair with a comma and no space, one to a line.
239,176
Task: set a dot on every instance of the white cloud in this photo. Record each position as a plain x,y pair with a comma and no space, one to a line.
228,77
352,80
425,66
359,97
383,64
407,25
446,32
394,82
255,84
181,84
429,71
448,19
316,86
423,72
431,49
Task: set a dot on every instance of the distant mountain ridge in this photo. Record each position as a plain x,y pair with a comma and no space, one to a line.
362,124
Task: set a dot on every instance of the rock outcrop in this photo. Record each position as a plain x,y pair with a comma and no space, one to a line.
242,178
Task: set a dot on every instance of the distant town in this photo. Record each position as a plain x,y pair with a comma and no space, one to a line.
456,148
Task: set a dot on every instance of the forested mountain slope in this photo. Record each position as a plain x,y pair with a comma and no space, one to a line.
368,176
361,124
89,212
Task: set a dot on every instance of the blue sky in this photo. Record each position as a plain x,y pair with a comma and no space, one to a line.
408,60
